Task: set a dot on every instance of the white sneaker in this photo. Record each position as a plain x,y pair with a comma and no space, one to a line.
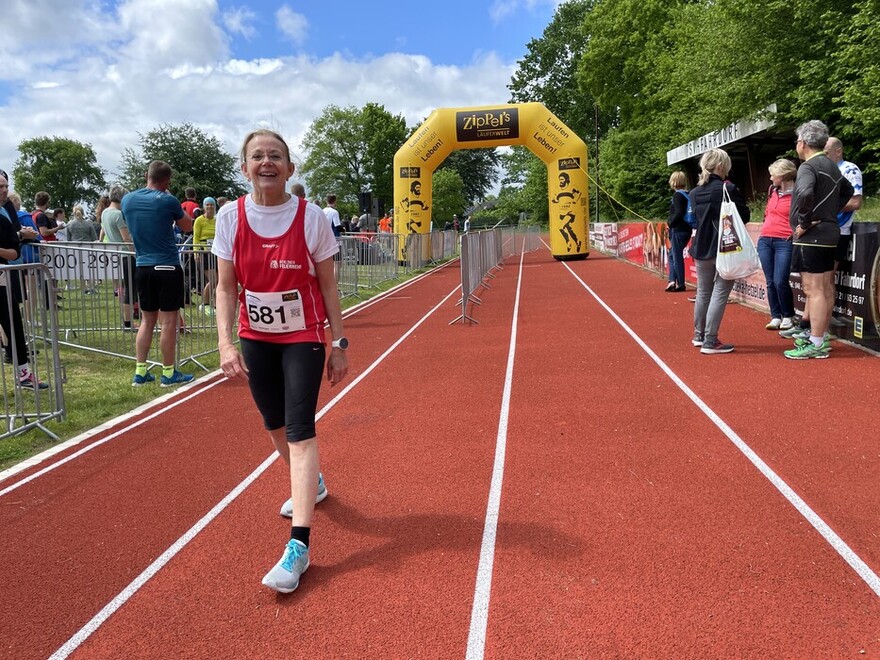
787,323
284,576
287,507
775,324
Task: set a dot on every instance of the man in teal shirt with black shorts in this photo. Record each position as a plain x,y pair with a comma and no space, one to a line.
151,214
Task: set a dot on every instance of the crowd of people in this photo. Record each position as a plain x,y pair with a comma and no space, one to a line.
806,230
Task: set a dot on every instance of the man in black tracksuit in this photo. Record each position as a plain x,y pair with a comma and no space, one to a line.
820,192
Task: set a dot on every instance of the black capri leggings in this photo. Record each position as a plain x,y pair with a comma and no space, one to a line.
285,380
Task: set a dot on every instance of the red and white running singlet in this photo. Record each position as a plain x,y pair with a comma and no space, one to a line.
280,300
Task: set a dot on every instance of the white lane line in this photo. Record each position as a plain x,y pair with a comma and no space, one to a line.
476,645
83,634
109,424
83,437
839,545
110,437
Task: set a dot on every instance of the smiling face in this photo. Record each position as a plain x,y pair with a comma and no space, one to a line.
267,165
210,210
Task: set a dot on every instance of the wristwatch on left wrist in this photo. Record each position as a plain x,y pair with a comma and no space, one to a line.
341,343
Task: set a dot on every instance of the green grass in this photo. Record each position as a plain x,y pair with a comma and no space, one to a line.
870,211
99,388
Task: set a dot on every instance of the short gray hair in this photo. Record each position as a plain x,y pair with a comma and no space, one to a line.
814,134
117,193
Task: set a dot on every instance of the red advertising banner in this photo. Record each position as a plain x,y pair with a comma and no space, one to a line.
630,242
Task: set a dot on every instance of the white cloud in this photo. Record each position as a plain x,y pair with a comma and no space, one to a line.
167,33
153,72
501,9
238,21
294,26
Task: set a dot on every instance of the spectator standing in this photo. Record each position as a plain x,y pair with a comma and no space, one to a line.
81,230
712,290
189,204
151,214
820,193
46,224
385,224
29,253
333,215
204,228
679,231
774,245
116,231
60,217
280,325
10,293
834,151
27,232
103,203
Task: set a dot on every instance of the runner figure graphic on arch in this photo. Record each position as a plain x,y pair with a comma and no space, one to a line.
567,198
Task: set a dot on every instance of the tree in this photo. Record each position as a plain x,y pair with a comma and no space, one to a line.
64,168
448,196
860,111
351,150
548,72
523,188
478,169
197,160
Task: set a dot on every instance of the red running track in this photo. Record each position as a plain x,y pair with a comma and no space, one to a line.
623,520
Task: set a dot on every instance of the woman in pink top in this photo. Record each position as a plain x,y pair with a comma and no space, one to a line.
774,245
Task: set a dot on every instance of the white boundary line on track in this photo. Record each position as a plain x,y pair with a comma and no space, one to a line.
86,631
110,437
83,437
476,645
839,545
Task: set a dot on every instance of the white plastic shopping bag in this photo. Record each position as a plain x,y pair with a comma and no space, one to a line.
737,256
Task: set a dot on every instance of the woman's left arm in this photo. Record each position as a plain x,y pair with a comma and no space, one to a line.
337,363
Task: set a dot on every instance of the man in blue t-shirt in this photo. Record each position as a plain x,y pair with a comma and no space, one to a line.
151,214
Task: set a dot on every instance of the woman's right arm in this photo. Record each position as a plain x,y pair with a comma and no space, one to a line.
226,302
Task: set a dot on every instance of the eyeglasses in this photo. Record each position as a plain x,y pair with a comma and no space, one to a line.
258,157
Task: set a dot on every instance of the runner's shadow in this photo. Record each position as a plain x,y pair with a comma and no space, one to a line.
389,541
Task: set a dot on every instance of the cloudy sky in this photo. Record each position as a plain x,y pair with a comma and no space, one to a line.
103,71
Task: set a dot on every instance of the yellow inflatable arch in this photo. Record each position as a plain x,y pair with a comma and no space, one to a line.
526,124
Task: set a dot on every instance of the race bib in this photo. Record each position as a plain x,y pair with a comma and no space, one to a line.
275,312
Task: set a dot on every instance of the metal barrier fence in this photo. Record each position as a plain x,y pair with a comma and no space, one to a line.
28,316
367,260
98,308
95,285
484,251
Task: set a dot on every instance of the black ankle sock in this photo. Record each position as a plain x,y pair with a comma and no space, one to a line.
300,534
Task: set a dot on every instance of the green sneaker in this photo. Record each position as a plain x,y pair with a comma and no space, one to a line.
807,351
803,341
